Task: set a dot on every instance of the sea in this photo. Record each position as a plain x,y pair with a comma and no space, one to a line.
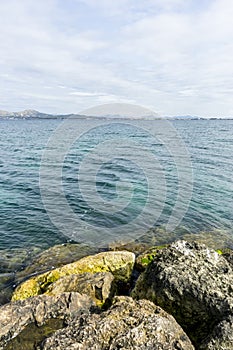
101,182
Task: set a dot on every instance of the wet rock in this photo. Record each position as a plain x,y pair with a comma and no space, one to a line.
54,257
191,282
221,337
120,264
134,247
16,316
215,239
12,260
6,287
99,286
128,324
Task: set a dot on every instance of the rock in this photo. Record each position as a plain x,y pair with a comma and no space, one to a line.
144,259
54,257
12,260
99,286
221,337
215,239
191,282
120,264
134,247
128,324
228,255
6,282
17,316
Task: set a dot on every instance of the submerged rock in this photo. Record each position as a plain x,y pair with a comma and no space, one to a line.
191,282
99,286
215,239
16,316
6,283
128,324
54,257
12,260
119,263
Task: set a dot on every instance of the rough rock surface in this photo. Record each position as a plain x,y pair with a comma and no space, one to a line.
191,282
120,264
128,325
16,316
222,336
99,286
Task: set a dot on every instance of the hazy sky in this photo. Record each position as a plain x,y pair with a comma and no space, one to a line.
62,56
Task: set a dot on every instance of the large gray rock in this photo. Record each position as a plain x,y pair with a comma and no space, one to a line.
99,286
221,337
16,316
127,325
191,282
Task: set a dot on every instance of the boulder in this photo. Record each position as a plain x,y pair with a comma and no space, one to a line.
221,337
191,282
128,325
99,286
20,316
119,263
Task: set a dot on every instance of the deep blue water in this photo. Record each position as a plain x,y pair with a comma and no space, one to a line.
131,180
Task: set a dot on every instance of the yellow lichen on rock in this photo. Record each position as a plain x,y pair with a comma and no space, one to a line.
119,263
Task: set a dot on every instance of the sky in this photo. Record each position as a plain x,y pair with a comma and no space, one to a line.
174,57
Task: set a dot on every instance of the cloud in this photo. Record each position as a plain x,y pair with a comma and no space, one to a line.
173,56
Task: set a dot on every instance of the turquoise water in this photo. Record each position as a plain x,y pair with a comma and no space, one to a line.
26,223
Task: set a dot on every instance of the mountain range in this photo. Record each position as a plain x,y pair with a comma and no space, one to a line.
33,114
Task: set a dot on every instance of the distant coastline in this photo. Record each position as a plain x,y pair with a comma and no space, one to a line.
33,114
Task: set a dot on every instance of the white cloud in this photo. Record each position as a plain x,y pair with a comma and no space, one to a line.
174,56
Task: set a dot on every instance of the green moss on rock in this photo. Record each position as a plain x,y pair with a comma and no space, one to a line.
147,257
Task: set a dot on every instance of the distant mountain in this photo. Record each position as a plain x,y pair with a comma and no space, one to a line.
33,114
183,117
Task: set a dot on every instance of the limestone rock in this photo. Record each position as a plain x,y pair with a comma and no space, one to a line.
128,325
16,316
191,282
119,263
99,286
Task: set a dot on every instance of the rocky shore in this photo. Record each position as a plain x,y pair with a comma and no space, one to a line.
176,296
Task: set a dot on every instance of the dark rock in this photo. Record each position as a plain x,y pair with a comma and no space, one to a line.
99,286
16,316
191,282
228,255
221,337
6,287
128,325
